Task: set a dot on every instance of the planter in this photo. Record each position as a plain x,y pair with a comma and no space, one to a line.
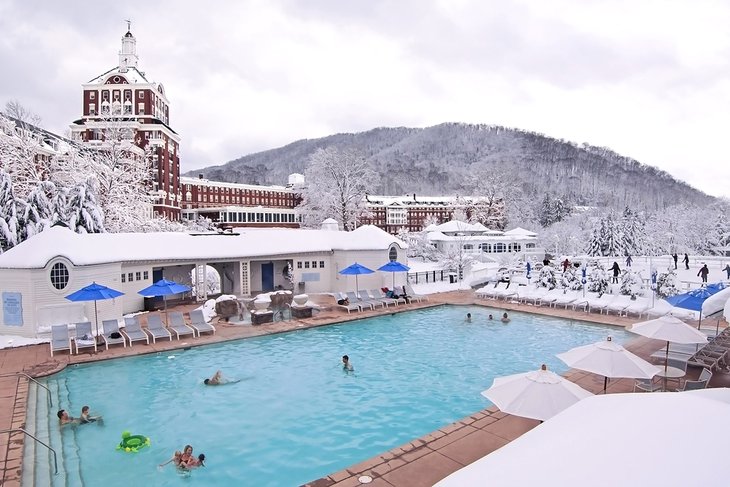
261,304
301,299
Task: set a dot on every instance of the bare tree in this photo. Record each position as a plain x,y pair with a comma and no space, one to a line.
336,185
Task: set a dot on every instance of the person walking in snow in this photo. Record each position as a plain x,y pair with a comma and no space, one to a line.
566,264
629,260
615,268
674,256
703,273
686,261
727,269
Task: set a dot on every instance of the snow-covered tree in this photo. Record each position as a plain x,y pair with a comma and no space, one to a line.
631,283
490,188
336,184
552,210
666,284
456,257
597,279
21,153
547,277
419,247
430,220
8,213
39,210
85,214
607,237
571,279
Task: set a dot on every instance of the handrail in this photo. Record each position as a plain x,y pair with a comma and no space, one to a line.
50,399
55,459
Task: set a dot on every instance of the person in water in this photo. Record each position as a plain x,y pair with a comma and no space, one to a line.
346,365
85,418
468,318
505,318
490,317
218,380
194,462
176,459
64,418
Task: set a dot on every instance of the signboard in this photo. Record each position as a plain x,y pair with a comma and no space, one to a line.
310,276
12,309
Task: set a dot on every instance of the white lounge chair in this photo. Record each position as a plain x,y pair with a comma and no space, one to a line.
176,324
413,294
378,294
366,298
84,337
156,328
618,304
111,327
197,321
354,298
640,306
133,331
60,339
349,306
566,298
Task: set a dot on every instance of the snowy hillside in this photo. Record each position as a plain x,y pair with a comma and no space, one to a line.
435,160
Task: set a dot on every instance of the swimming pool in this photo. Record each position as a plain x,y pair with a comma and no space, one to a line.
296,415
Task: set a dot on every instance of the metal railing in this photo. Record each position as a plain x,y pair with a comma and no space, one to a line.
48,391
21,430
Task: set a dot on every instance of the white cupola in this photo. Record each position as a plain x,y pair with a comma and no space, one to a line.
128,55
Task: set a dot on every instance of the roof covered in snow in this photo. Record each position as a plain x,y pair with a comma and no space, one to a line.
132,75
457,226
519,231
100,248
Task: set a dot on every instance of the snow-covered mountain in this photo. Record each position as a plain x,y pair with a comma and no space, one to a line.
435,160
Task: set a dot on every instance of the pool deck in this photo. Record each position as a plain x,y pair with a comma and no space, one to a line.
421,462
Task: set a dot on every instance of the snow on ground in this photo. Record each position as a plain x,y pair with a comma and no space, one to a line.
11,341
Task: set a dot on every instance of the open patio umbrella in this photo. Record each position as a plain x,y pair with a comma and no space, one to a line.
610,360
355,270
393,267
164,288
539,394
669,329
694,299
94,292
613,439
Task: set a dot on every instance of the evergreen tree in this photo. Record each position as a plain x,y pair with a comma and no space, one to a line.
597,280
631,283
666,284
38,212
547,278
594,248
8,214
85,214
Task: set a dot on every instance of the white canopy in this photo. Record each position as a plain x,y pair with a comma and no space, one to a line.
520,232
614,439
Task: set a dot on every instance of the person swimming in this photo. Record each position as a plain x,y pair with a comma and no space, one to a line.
505,318
468,318
346,365
85,418
218,380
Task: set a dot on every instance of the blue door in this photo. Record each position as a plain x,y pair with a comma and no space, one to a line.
267,277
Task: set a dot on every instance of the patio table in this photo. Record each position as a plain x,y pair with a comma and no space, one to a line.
670,373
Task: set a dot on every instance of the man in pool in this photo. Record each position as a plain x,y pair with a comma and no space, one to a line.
468,318
346,365
490,317
505,318
64,418
218,380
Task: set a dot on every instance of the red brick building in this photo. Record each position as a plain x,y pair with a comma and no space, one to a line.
123,99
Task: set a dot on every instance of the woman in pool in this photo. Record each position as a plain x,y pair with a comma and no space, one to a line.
187,454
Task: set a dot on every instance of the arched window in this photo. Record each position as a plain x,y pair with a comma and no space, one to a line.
486,247
499,248
393,254
59,275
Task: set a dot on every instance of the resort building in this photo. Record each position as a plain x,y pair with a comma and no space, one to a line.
483,243
38,274
234,205
123,110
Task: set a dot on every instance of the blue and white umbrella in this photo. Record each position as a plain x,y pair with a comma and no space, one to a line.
94,292
355,270
694,299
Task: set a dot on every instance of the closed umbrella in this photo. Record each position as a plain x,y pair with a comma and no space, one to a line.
669,329
539,394
610,360
94,292
164,288
393,267
355,270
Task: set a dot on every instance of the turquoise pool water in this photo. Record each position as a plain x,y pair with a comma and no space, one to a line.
296,415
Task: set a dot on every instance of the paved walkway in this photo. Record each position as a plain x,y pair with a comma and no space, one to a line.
421,462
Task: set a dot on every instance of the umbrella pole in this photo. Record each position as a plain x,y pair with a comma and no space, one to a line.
605,383
666,358
96,320
357,287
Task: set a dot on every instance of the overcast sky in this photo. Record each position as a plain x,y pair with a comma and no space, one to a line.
649,79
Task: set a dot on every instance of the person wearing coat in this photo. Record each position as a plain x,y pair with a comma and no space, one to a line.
674,256
615,268
703,273
686,261
629,260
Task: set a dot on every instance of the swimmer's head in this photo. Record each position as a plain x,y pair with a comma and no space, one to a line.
85,409
206,381
60,413
201,459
